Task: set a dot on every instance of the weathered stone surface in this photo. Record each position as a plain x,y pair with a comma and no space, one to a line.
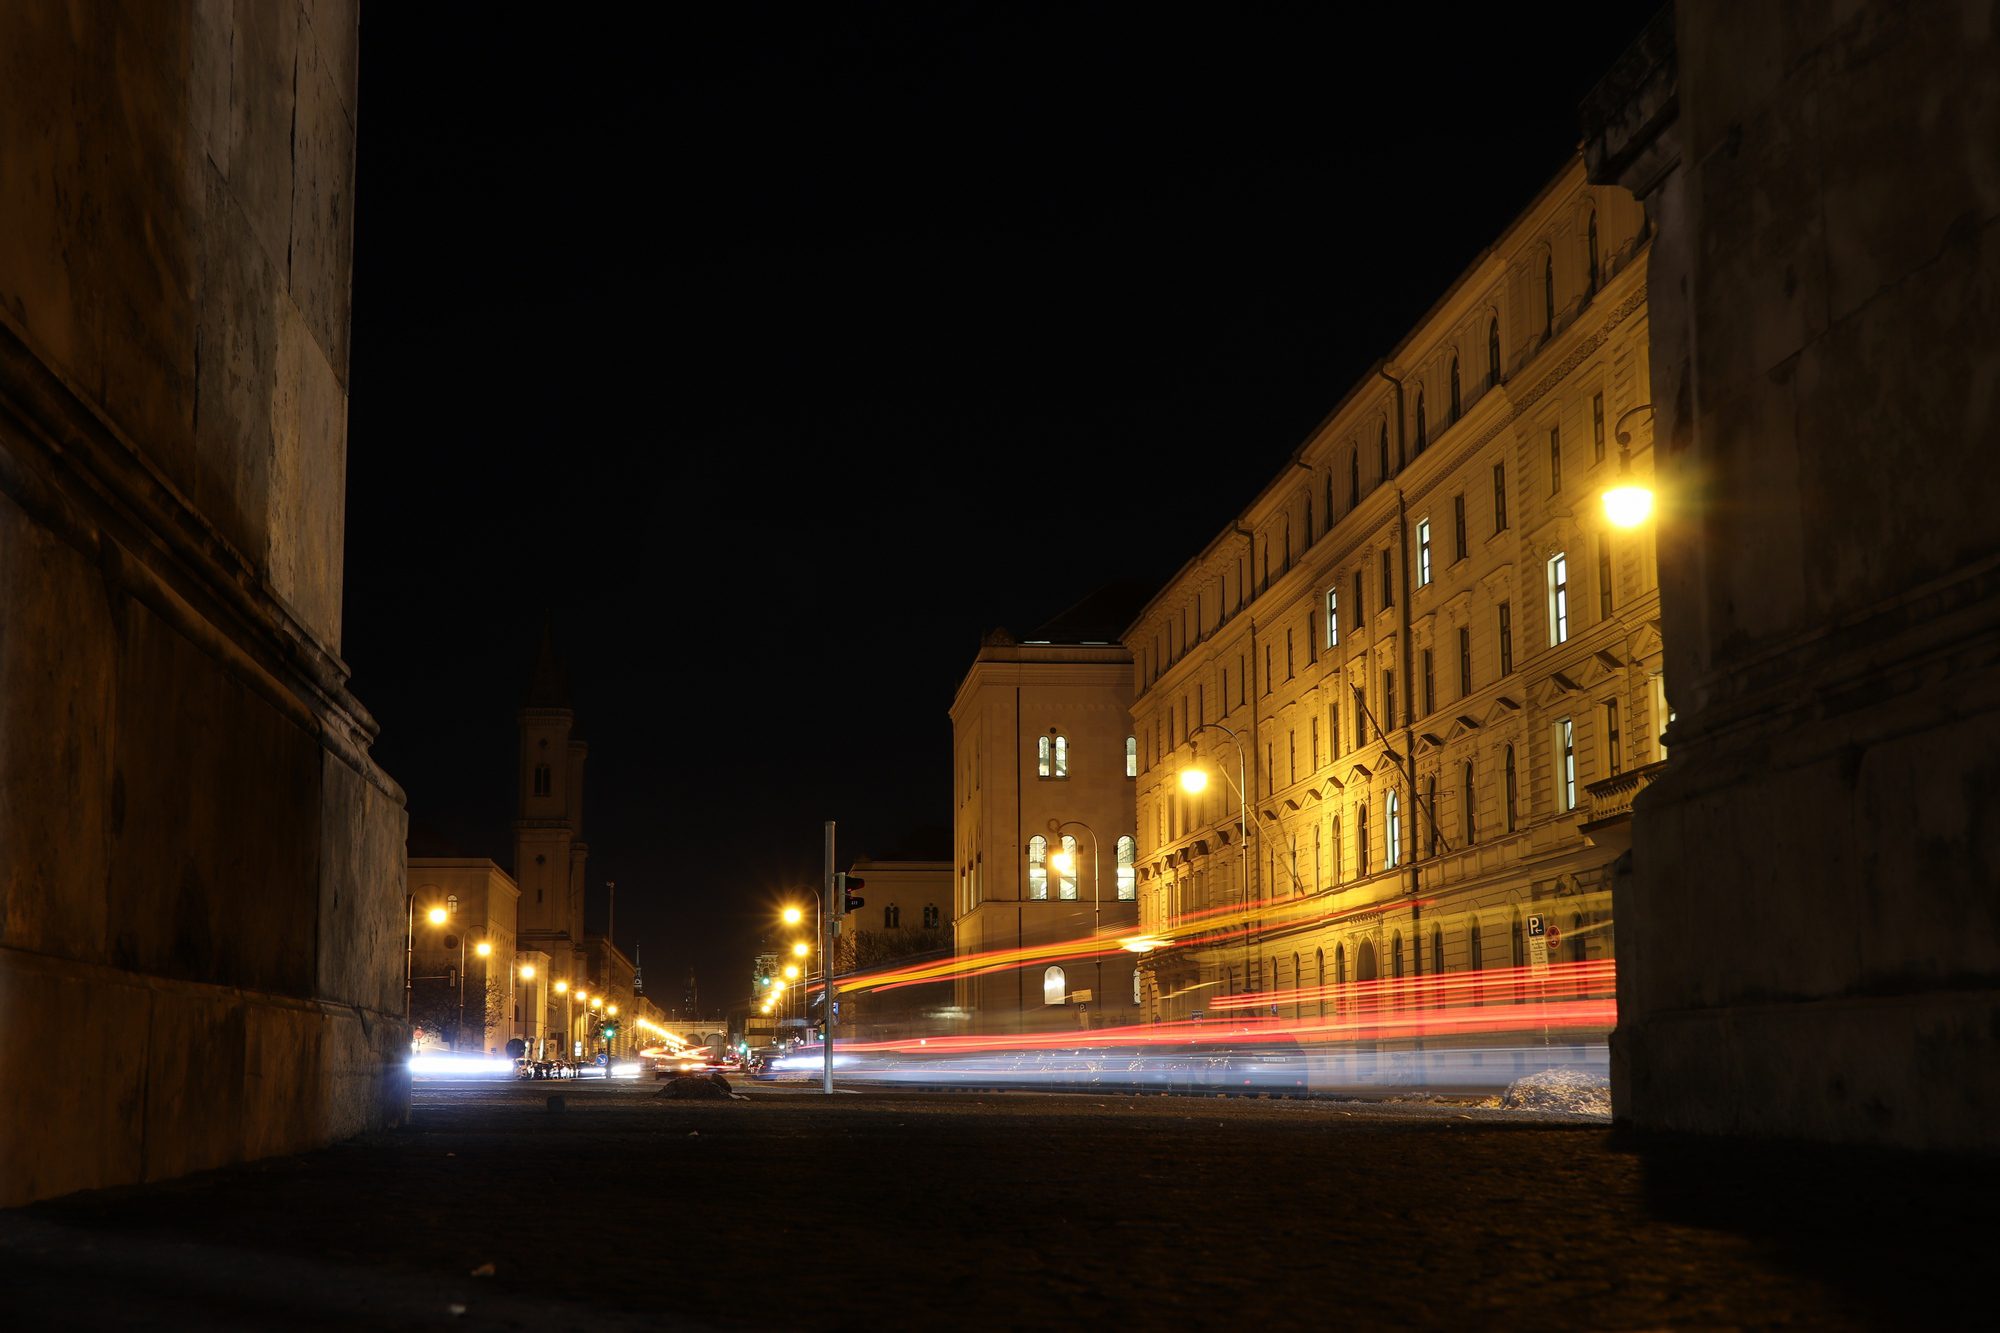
201,900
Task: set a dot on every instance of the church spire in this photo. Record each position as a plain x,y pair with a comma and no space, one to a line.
548,687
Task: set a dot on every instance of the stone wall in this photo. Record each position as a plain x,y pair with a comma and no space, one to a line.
201,884
1809,937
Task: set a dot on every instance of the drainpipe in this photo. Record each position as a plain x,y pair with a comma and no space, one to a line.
1250,870
1409,688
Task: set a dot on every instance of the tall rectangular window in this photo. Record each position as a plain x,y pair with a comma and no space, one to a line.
1555,459
1333,731
1469,804
1360,608
1464,661
1506,639
1312,636
1499,497
1597,425
1268,681
1292,755
1131,756
1332,617
1423,552
1428,815
1388,582
1604,575
1614,760
1270,770
1388,718
1315,744
1460,546
1558,580
1565,747
1430,686
1360,718
1288,653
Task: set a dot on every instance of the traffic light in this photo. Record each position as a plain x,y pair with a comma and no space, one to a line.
610,1031
850,900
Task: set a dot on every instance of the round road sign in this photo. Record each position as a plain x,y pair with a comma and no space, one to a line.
1555,935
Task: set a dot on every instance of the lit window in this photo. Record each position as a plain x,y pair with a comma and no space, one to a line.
1043,750
1423,552
1038,868
1066,876
1332,617
1062,756
1558,576
1131,756
1055,987
1392,831
1138,983
1128,870
1565,737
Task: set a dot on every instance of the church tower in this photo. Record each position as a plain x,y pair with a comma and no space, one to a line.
549,851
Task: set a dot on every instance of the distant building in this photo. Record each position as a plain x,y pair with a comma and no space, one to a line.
1044,763
1423,650
450,978
905,922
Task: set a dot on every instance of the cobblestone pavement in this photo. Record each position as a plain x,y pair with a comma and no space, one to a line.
789,1210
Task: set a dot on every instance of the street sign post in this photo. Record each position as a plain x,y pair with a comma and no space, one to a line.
1538,964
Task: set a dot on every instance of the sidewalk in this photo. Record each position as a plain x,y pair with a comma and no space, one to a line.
785,1210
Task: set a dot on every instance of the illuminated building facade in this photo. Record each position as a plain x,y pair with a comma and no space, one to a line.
480,904
1439,661
1043,759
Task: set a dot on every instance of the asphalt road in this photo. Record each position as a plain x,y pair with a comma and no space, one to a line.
785,1209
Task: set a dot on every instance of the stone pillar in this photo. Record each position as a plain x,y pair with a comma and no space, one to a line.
202,912
1809,932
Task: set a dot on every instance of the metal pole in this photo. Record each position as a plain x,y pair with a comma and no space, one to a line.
459,1035
826,968
409,955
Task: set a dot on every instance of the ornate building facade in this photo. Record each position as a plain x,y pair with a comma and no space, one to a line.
1422,652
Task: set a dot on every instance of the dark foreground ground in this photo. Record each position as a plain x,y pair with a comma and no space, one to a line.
625,1210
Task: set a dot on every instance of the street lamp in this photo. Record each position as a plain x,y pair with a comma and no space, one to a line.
1064,864
801,949
1628,504
1195,780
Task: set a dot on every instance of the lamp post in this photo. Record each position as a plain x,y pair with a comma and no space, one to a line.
484,950
1063,867
1194,780
569,1017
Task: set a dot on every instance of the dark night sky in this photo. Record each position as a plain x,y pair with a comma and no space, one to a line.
778,353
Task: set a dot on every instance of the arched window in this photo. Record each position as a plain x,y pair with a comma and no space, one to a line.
931,918
1298,984
1475,961
1044,756
1361,840
1131,756
1392,831
1493,352
1319,978
1518,951
1340,964
1055,986
1353,478
1364,962
1508,782
1066,871
1592,234
1062,757
1382,448
1423,430
1548,294
892,917
1038,867
1457,400
1128,870
1437,951
451,904
1396,966
1334,837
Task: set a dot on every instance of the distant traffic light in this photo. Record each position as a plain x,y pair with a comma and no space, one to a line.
610,1031
850,900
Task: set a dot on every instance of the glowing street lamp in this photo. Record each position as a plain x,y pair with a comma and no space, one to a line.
527,971
792,916
483,949
791,971
801,949
562,988
1628,504
438,916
